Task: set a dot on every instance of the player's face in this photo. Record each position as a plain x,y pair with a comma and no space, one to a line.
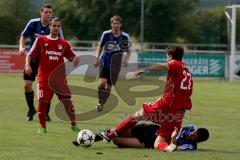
55,28
46,14
193,136
116,25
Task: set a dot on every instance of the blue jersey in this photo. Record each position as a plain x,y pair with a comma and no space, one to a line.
182,142
107,36
34,28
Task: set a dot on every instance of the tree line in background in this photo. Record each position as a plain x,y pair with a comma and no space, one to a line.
165,21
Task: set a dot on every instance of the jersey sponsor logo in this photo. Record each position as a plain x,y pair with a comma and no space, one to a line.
46,44
53,58
53,55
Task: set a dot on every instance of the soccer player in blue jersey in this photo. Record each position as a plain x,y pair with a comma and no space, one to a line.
35,27
143,135
110,62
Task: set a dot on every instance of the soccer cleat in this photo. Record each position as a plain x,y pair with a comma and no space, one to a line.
48,118
42,130
30,114
98,137
75,128
75,143
99,107
104,135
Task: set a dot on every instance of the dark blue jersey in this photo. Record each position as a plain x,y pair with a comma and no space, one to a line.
34,28
182,142
107,36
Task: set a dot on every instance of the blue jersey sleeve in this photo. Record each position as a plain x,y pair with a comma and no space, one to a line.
191,127
187,147
28,30
103,40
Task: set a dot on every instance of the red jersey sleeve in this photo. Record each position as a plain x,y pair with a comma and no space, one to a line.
68,51
36,48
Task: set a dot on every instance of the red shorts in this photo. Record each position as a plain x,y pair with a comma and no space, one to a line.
165,114
46,93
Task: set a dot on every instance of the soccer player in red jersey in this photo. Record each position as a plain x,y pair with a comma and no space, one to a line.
50,51
167,111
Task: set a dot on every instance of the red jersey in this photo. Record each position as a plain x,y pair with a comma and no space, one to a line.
179,85
50,54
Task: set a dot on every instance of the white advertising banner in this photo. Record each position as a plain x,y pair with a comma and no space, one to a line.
89,57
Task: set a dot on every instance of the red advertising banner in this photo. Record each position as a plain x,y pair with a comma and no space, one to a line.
11,61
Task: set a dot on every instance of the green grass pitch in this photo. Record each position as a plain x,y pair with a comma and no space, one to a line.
216,106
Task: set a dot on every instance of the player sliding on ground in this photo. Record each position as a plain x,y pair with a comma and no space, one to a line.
143,135
169,110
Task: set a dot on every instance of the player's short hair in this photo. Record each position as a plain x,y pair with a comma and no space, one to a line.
116,17
46,6
175,51
55,19
203,134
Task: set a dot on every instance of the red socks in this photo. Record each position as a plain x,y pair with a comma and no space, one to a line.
70,110
122,127
42,113
162,145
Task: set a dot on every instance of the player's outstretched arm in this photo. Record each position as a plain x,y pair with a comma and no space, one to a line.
157,67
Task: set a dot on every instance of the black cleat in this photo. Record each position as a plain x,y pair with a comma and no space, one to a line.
104,135
100,138
30,114
99,107
75,143
97,138
48,119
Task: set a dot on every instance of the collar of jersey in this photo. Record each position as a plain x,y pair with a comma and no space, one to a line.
48,36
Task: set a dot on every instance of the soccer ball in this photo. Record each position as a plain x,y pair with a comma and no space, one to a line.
85,138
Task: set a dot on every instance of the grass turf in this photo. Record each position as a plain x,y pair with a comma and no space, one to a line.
215,106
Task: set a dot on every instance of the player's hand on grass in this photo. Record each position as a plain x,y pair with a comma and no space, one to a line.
28,69
96,62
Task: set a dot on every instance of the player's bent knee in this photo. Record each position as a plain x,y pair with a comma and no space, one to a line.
139,114
28,86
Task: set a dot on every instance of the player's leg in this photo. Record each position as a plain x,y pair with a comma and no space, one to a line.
123,126
45,95
28,82
104,88
29,96
165,134
162,144
29,92
48,118
69,107
127,142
